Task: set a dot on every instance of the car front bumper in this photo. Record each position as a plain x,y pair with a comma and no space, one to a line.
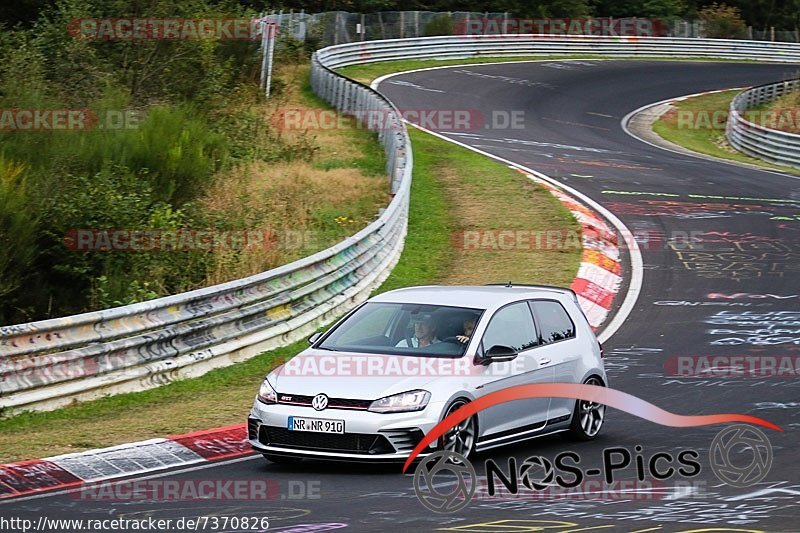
369,437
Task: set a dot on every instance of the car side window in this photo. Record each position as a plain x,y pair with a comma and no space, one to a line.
511,326
553,321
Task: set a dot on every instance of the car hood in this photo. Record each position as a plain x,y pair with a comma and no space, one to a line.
351,375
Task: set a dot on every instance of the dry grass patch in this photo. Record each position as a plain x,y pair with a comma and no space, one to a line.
332,184
782,114
296,208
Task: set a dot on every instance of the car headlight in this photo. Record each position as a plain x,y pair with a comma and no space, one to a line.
266,394
414,400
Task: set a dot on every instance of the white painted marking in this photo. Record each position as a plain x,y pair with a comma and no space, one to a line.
763,492
126,459
415,86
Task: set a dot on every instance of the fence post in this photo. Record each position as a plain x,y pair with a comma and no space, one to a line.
263,78
272,30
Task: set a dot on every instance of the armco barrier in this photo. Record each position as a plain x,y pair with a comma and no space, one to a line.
771,145
466,46
53,362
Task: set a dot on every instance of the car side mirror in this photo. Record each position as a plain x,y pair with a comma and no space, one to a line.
500,354
314,338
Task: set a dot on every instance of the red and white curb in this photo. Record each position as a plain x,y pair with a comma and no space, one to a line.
598,280
74,469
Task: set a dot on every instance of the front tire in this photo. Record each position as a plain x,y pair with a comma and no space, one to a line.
463,436
588,417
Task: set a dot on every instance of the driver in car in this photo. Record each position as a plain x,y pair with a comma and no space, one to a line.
424,332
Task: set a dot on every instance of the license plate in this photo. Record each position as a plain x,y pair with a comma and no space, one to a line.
317,425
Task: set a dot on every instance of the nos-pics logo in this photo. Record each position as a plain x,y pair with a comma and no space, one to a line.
458,479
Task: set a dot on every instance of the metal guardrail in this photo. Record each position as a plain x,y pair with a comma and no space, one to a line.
466,46
54,362
771,145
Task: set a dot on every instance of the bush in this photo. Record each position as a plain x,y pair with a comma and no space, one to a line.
17,233
721,21
439,25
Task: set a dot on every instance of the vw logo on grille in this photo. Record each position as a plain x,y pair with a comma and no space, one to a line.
319,402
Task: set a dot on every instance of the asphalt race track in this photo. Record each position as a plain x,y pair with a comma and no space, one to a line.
733,290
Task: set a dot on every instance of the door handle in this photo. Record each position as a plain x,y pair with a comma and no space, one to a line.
543,362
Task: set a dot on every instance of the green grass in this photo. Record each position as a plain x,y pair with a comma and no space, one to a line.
694,132
427,253
484,196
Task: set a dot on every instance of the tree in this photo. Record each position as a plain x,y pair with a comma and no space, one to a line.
722,21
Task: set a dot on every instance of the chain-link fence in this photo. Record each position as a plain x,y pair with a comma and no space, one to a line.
340,27
774,35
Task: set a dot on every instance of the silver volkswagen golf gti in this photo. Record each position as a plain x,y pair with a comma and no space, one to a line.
370,387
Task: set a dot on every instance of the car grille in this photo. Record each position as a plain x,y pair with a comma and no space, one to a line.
333,403
404,439
360,443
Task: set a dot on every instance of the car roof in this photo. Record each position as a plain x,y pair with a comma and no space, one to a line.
475,296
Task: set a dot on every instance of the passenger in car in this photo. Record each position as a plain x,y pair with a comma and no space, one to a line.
469,327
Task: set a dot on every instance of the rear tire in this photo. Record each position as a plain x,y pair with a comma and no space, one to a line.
282,459
587,417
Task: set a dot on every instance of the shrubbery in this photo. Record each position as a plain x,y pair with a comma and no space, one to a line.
189,110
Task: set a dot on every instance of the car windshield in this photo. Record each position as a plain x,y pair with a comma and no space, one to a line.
405,329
